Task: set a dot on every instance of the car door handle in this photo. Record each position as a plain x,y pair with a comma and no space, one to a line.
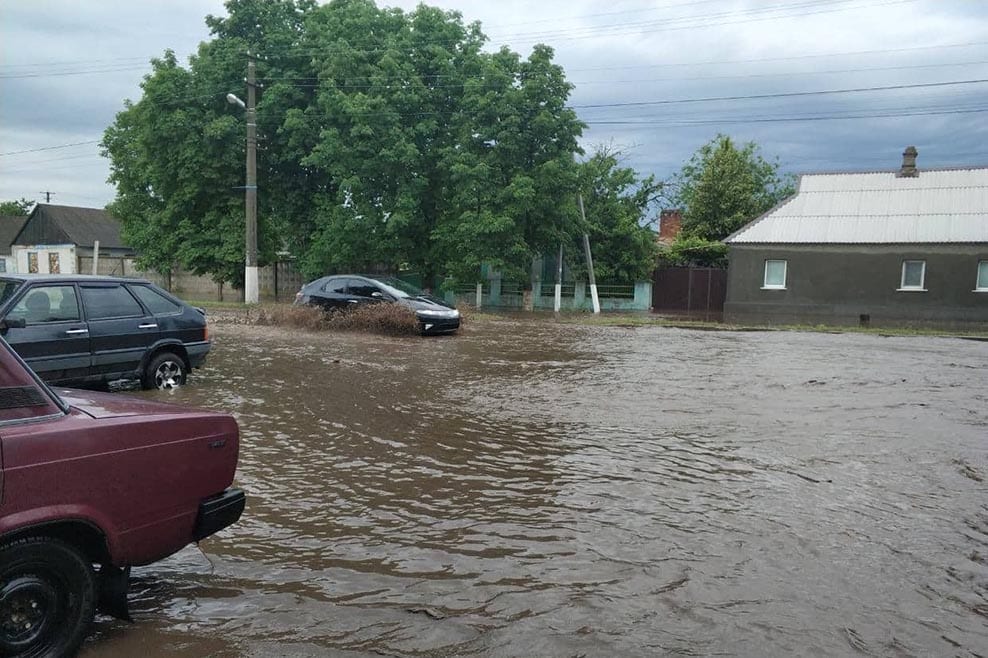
148,326
74,332
351,301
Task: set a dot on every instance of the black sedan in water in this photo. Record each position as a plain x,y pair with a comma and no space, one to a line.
344,291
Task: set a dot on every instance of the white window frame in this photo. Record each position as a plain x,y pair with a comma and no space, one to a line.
979,284
922,279
785,274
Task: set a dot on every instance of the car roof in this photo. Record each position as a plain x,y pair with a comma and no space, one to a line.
68,278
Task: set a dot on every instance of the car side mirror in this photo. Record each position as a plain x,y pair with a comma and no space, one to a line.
12,323
377,295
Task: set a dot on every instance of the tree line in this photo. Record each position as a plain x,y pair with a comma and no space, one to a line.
387,139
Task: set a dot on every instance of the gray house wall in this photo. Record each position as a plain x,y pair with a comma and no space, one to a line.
837,284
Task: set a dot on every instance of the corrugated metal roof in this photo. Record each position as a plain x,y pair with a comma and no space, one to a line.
937,206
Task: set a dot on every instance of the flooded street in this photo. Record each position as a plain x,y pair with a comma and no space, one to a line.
536,489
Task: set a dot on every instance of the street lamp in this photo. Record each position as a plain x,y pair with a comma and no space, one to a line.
250,189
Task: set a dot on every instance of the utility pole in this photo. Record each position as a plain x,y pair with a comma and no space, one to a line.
250,272
586,249
557,303
48,195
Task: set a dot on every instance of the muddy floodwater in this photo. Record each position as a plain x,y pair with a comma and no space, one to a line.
537,489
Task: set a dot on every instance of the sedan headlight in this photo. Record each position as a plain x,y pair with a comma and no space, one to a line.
429,313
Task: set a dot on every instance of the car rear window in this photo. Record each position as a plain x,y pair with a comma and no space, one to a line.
157,303
109,302
22,396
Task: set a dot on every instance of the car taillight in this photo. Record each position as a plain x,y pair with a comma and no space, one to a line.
205,332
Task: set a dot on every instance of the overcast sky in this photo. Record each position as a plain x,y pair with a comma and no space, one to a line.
66,67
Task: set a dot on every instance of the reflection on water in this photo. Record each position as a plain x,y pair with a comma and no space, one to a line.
538,489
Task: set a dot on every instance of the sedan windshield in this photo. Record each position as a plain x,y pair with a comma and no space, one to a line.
398,288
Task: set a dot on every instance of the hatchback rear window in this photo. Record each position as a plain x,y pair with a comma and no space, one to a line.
157,303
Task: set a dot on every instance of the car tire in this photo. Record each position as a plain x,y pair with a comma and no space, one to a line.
47,598
165,371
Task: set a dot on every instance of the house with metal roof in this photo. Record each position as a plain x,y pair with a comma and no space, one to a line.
907,247
54,239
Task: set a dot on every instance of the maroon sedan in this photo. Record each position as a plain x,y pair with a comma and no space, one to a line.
90,485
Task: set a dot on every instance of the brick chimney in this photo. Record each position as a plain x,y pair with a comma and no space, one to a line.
670,224
909,169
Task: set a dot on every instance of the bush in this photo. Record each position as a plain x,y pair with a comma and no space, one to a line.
390,319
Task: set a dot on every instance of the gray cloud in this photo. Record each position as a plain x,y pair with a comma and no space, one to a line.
618,52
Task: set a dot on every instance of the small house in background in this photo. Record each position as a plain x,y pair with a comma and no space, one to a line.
10,226
906,247
56,239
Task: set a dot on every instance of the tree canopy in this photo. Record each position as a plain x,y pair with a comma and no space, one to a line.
618,204
20,207
721,188
386,139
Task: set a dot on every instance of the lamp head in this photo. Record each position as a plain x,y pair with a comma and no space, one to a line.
233,100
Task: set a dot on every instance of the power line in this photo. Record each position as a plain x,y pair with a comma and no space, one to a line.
76,72
752,120
51,148
791,94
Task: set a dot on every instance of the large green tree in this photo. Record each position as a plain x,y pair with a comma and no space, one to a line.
177,154
725,185
386,139
721,188
618,205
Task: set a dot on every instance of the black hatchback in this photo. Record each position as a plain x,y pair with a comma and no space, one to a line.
79,329
343,291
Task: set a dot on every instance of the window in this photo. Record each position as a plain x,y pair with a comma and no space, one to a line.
913,275
3,264
47,304
359,288
982,276
157,303
53,264
337,286
32,262
110,302
775,274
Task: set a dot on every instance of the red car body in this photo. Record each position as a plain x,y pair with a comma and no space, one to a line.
118,481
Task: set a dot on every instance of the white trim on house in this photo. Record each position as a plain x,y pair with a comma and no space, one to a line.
981,281
903,287
785,275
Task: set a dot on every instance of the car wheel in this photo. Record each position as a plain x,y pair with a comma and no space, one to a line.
47,598
165,371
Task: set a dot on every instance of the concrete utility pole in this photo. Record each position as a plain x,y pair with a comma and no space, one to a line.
557,304
586,249
250,272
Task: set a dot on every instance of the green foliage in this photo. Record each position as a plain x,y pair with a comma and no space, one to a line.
723,187
617,204
696,251
385,137
21,208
